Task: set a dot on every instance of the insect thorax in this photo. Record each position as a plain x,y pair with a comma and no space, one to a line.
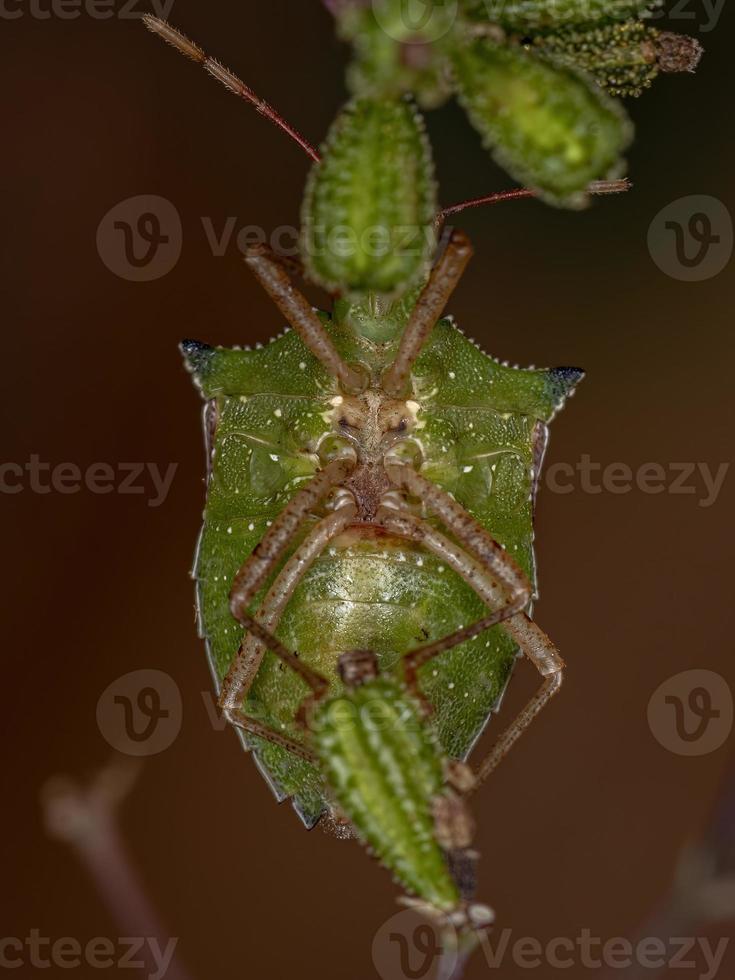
370,425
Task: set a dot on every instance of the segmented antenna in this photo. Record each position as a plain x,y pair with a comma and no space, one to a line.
191,50
597,187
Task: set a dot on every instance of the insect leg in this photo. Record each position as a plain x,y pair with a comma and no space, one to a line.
261,563
272,276
481,561
533,642
240,720
245,666
182,44
469,532
480,577
542,653
442,282
270,549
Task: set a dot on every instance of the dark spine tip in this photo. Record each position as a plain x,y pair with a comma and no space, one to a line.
196,355
194,347
564,380
678,52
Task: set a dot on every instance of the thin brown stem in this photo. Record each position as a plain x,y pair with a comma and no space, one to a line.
456,952
85,817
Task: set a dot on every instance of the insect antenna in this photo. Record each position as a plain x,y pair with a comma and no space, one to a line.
235,85
598,187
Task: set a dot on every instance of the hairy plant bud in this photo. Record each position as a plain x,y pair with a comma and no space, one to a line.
400,46
369,208
540,14
544,123
623,58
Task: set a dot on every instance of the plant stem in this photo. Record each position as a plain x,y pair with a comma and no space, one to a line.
85,818
456,952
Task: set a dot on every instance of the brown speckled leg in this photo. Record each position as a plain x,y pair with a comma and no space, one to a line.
542,653
245,666
429,307
493,561
270,549
480,560
274,278
250,578
476,575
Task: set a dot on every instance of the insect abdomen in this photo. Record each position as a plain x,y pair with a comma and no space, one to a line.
384,771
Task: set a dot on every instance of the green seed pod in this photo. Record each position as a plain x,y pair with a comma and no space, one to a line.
397,53
369,208
545,124
525,15
385,771
623,58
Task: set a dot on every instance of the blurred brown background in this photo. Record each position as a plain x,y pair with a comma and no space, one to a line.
581,827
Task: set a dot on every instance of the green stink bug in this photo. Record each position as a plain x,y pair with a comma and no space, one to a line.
313,438
285,447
